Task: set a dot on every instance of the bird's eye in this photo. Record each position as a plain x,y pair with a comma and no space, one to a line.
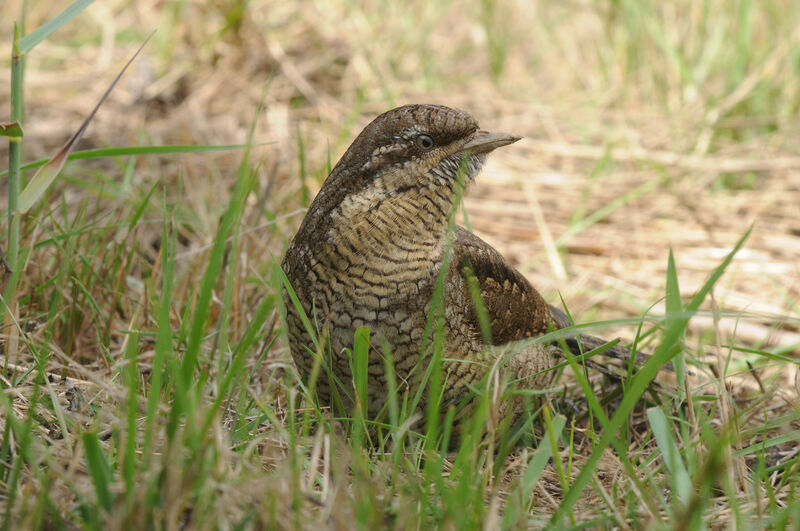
424,142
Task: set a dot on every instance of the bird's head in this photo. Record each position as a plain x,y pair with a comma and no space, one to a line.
409,150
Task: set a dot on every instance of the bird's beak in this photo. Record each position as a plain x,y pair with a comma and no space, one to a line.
486,141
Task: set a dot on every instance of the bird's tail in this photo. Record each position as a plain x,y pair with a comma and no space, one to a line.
581,344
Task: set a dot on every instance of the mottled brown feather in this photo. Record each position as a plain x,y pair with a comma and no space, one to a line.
514,307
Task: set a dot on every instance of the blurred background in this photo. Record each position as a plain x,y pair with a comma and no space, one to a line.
648,126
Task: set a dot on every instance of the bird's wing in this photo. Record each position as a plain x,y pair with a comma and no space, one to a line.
515,309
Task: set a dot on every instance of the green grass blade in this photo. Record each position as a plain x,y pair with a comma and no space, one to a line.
13,131
360,366
141,208
14,175
477,303
29,42
163,346
359,363
674,308
432,344
309,328
237,362
701,294
682,483
520,497
98,469
131,432
123,151
202,308
22,433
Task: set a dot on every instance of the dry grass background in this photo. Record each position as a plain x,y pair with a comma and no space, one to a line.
647,126
324,70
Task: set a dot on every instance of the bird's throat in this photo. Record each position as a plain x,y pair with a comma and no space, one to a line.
398,237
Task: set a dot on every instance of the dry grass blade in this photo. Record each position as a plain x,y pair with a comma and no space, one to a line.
46,174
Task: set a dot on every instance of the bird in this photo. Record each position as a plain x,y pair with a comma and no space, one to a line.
370,250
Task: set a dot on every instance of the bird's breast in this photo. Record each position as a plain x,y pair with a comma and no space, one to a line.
386,244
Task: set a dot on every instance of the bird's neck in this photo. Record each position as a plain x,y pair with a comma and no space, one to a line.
393,228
